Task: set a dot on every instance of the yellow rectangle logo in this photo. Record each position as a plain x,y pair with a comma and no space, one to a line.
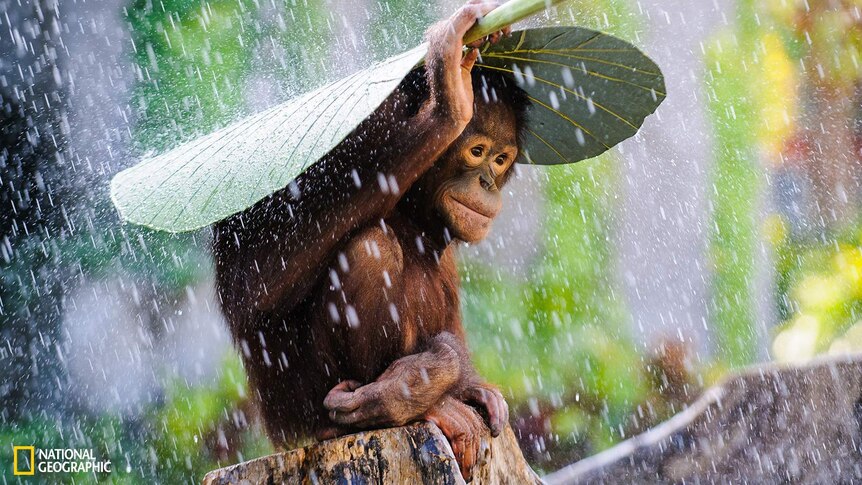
16,450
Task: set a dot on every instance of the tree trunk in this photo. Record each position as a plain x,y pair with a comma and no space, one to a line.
768,425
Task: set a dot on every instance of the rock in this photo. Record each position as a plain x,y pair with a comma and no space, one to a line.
418,453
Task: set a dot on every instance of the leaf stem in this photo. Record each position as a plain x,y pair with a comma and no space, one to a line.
506,14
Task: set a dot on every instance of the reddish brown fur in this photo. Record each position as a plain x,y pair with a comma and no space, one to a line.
343,297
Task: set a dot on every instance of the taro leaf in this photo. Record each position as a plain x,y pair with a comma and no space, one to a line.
589,90
214,176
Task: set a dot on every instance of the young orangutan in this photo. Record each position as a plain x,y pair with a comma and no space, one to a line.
342,290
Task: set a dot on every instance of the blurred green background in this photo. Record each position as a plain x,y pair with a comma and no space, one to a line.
610,294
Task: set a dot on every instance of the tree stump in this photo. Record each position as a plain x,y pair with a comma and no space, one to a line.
418,453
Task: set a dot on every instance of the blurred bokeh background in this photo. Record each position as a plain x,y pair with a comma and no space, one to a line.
610,293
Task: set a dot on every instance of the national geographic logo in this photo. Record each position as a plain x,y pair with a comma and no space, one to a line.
27,460
23,466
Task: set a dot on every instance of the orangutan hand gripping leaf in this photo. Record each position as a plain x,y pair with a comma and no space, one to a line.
589,92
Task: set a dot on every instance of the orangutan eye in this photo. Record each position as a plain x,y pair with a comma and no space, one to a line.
476,151
501,160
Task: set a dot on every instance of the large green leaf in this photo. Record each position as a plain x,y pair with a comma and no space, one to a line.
214,176
589,91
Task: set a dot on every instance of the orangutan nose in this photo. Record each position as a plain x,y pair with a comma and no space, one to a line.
487,182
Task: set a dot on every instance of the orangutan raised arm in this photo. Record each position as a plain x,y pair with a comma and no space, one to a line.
361,179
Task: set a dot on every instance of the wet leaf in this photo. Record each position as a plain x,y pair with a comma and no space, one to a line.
589,92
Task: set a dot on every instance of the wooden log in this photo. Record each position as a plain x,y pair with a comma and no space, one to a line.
418,453
772,424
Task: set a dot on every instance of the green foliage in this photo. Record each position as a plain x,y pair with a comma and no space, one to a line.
563,340
191,62
821,296
736,180
195,58
397,25
195,422
196,429
170,261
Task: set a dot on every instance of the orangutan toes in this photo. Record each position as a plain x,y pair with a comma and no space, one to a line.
491,404
463,428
